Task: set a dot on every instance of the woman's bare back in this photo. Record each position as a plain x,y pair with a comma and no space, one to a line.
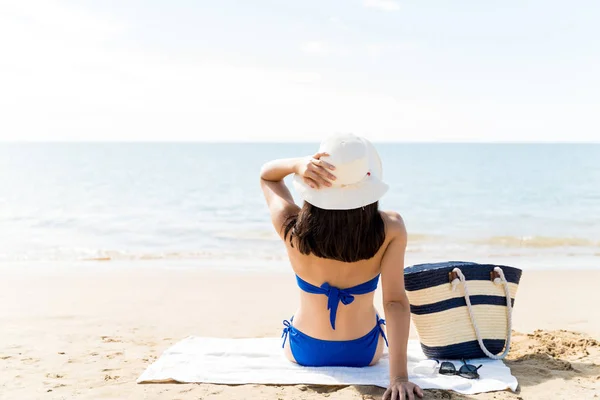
353,320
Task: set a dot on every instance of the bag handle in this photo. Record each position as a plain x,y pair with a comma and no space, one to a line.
500,279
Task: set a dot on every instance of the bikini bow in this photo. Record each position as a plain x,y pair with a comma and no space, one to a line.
334,296
286,331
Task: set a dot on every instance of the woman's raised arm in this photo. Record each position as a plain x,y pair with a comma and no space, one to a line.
313,170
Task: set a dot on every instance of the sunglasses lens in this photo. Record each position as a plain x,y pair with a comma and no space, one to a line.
447,368
468,371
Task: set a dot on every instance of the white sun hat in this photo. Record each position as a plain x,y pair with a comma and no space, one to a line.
358,173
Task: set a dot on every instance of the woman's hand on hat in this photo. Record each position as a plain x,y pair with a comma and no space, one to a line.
315,171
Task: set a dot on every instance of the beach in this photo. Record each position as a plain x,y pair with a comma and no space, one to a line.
88,330
140,140
111,253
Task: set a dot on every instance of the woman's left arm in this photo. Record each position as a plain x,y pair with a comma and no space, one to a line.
397,312
281,204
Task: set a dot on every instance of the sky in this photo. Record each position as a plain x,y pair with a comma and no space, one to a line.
283,70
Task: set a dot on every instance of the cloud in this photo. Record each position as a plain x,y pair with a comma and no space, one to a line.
337,22
315,47
376,49
383,49
67,75
57,19
384,5
57,85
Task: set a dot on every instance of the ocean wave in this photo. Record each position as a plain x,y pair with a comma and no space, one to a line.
186,255
536,241
264,245
117,255
247,235
422,237
124,256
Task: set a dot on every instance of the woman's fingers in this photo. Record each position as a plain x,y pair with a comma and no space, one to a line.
320,154
322,163
419,391
318,178
405,391
316,175
310,183
323,172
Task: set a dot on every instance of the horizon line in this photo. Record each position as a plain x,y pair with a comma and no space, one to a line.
283,142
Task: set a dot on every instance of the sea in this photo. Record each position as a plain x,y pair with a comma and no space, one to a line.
199,205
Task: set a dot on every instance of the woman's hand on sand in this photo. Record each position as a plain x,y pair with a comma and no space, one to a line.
402,389
315,171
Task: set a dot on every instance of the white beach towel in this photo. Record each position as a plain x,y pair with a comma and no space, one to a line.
261,361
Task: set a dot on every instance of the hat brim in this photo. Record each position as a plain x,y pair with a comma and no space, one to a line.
342,198
368,191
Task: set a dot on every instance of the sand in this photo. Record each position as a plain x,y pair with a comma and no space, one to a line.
88,331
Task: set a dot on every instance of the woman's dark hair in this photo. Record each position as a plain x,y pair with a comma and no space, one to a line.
343,235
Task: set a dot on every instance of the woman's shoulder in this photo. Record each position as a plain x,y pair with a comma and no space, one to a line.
394,224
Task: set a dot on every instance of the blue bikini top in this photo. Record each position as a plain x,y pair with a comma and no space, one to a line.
335,295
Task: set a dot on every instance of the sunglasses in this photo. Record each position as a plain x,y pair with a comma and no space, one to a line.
468,371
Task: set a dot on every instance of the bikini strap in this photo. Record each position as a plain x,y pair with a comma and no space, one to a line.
286,330
336,295
381,321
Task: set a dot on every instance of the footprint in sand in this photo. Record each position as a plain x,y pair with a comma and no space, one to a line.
54,376
113,355
5,357
111,377
109,339
30,360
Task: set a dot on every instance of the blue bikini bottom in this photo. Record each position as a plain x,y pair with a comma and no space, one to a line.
314,352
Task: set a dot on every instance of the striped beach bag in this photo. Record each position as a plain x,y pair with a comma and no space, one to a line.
462,309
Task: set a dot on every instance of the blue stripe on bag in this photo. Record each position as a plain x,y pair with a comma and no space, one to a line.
458,302
459,350
427,277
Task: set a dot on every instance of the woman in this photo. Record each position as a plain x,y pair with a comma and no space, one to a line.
338,244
